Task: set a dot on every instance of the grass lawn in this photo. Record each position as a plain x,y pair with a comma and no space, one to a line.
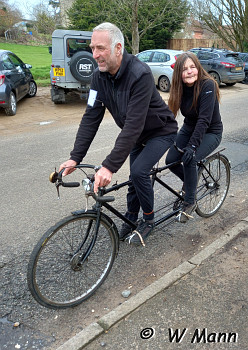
37,56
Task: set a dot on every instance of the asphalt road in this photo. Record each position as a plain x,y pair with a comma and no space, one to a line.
29,206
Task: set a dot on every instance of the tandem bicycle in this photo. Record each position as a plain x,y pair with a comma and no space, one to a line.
74,257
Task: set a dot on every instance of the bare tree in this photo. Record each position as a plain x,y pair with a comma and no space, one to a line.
55,5
226,18
10,16
44,19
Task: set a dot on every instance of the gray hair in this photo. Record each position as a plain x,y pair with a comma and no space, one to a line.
115,34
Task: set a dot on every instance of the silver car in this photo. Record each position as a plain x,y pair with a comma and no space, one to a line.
161,63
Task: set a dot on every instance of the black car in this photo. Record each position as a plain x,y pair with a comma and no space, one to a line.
223,65
16,81
244,58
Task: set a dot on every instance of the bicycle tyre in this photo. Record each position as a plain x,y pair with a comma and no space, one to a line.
55,278
212,187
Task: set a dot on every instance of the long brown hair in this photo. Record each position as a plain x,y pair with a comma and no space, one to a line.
176,90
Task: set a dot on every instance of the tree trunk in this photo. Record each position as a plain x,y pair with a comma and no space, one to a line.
135,28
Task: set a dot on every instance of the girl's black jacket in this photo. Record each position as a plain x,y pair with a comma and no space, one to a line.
136,106
206,117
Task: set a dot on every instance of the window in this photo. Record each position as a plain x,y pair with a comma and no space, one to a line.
233,58
17,62
76,45
205,55
7,64
144,56
160,57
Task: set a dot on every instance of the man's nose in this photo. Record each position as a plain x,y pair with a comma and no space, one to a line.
95,53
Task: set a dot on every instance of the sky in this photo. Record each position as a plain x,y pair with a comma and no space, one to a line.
26,6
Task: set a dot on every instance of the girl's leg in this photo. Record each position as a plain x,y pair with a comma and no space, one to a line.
173,155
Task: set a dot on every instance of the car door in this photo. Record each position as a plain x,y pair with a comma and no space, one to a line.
159,65
12,75
22,78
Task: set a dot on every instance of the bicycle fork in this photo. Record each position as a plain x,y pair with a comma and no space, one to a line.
80,257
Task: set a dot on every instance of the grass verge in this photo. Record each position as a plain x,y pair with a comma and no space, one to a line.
37,56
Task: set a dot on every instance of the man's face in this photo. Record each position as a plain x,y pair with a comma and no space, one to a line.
101,49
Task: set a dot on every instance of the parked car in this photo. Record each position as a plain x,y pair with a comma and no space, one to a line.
223,65
16,81
72,64
161,63
244,57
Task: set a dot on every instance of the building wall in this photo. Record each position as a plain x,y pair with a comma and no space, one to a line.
64,6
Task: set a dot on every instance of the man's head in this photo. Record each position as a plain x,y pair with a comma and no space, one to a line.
107,44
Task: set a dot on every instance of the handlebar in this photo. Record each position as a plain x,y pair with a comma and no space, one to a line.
56,178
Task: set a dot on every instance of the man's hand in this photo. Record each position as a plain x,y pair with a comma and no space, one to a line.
69,167
102,178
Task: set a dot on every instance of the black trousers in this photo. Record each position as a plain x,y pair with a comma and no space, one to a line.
142,159
188,172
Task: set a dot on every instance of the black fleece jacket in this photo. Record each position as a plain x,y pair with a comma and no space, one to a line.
206,117
136,106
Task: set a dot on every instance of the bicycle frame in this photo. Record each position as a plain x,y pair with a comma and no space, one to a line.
116,187
154,178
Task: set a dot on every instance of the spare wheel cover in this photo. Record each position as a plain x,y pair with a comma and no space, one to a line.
82,66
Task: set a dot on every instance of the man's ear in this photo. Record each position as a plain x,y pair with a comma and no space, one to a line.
118,49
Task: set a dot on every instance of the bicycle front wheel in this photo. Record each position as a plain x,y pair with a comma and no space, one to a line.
68,264
213,185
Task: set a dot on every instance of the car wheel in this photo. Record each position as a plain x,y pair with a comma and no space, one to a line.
11,110
82,66
216,77
32,89
164,84
57,95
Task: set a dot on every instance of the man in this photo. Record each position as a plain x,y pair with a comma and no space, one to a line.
125,86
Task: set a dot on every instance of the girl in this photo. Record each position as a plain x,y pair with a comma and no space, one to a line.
196,94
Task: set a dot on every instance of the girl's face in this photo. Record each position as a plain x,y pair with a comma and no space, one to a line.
190,72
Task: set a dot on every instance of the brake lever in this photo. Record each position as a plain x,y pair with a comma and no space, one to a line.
57,188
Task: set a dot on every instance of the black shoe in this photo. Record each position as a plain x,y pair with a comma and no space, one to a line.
185,213
125,231
141,233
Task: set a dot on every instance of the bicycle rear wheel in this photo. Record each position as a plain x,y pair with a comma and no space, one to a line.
65,268
213,185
